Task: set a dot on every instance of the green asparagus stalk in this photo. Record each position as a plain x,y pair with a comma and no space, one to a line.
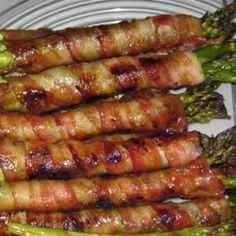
206,86
221,148
211,52
217,23
6,57
224,229
221,70
201,105
2,177
229,182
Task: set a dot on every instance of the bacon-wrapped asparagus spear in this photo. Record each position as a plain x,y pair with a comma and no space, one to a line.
154,111
125,38
29,160
156,217
74,220
224,229
37,93
22,35
191,180
147,111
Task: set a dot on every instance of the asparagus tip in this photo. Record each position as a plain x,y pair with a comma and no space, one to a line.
221,148
209,106
217,23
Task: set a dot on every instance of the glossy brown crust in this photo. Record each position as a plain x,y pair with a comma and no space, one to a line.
87,44
70,159
45,91
156,217
191,180
22,35
150,111
120,137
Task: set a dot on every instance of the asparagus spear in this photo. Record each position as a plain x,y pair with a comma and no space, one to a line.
202,104
37,93
221,148
140,219
217,23
224,229
177,151
213,25
229,182
209,26
72,124
6,57
208,53
23,34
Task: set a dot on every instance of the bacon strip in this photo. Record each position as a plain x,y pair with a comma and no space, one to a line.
21,35
22,161
149,111
120,137
191,180
46,91
87,44
156,217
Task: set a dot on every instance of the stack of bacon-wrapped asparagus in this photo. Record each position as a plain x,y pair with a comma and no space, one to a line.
92,140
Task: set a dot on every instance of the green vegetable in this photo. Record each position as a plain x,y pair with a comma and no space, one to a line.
202,104
218,23
224,229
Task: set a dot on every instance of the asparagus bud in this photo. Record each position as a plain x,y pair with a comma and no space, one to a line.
217,23
201,105
221,148
223,70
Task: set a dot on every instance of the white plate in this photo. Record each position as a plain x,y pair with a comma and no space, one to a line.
60,14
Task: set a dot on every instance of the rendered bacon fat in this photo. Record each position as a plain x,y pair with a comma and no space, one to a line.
149,111
27,160
155,217
86,44
46,91
191,180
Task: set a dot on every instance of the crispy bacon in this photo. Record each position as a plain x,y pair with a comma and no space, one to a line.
87,44
27,160
21,35
46,91
149,111
156,217
191,180
120,137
